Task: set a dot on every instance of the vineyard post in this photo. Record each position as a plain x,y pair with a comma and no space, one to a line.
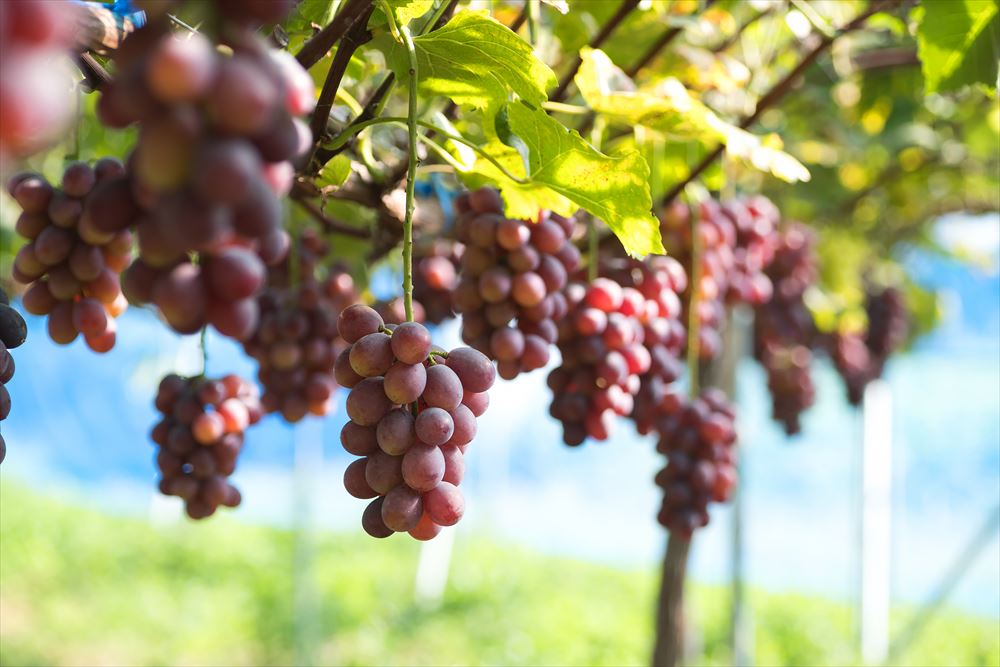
669,640
875,521
737,338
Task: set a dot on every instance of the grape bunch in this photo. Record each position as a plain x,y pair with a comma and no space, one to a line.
509,289
653,287
435,276
13,331
72,272
853,362
217,134
736,242
860,357
412,410
200,437
698,437
603,356
36,79
296,343
755,220
783,328
888,324
219,290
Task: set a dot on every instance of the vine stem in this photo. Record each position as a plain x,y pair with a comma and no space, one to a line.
314,49
352,130
616,19
592,250
693,347
356,35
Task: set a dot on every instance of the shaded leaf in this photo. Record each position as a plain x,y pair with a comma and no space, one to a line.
957,42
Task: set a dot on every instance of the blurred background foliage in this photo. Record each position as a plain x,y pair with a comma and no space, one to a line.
87,588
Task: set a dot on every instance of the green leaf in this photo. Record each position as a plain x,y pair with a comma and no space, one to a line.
565,171
307,13
335,172
407,10
957,42
672,110
474,60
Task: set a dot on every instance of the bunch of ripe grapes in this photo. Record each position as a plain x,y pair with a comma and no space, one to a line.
510,286
888,324
603,356
412,411
71,269
853,362
698,436
216,137
296,344
435,276
36,76
784,331
219,289
658,281
736,242
860,357
200,437
13,331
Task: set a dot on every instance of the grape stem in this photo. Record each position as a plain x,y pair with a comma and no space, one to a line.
411,176
438,353
403,36
203,344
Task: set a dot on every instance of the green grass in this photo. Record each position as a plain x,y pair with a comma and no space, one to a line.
82,588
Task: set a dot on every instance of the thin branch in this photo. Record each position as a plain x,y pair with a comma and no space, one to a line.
329,223
616,19
318,46
96,75
726,43
656,47
778,91
886,58
357,35
521,18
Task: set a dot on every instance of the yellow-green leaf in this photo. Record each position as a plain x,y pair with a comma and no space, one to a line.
672,110
566,172
474,60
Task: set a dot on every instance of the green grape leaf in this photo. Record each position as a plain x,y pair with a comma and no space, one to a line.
308,13
406,10
474,60
335,172
672,110
568,173
956,43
